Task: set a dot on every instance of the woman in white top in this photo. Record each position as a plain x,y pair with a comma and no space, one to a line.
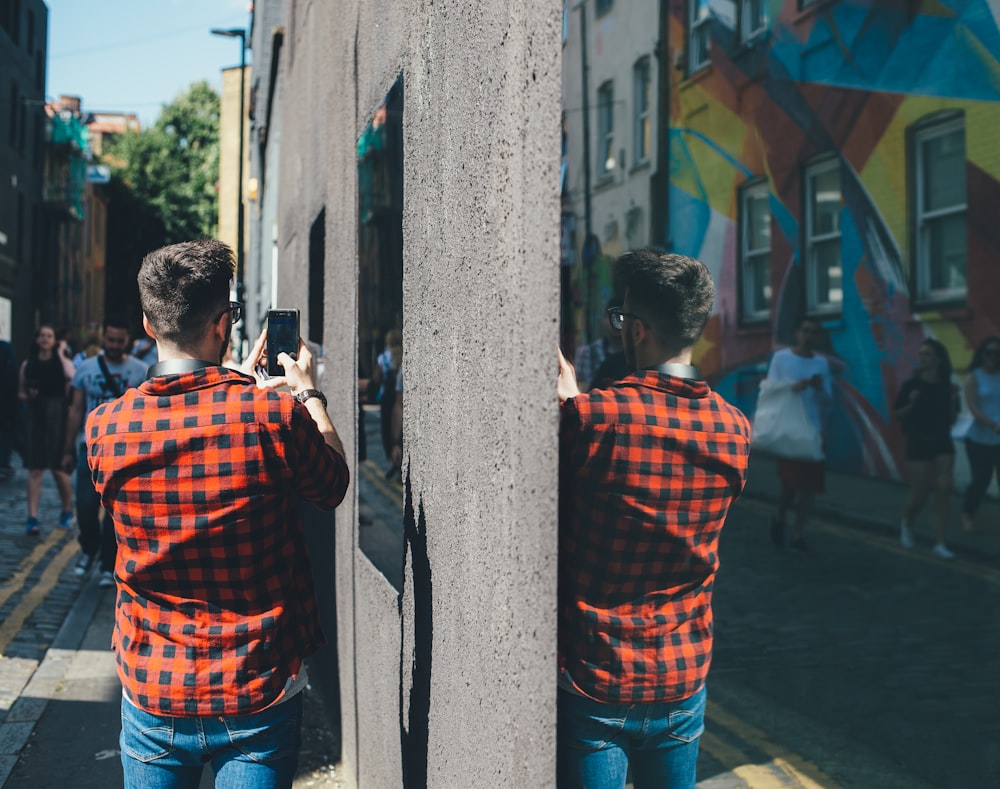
801,479
982,443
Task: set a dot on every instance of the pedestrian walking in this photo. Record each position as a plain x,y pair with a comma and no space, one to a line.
98,379
43,382
982,442
202,469
648,470
801,479
927,406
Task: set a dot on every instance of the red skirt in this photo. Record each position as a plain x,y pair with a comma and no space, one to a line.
802,476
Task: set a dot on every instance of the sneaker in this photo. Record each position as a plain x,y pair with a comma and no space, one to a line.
905,535
83,565
67,519
31,527
107,579
777,532
941,551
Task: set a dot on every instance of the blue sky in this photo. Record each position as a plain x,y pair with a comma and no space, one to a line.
137,55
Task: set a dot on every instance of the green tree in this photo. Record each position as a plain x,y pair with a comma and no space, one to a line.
162,190
172,167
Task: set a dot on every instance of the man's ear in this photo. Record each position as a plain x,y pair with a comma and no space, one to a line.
147,327
640,331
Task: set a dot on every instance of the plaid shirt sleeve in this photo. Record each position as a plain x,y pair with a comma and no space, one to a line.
648,472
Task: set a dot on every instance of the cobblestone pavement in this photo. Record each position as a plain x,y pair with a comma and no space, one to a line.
857,664
37,590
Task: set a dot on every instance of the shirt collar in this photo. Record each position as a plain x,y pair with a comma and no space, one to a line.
652,379
198,379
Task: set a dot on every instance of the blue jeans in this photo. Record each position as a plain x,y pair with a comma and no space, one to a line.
257,751
598,742
97,534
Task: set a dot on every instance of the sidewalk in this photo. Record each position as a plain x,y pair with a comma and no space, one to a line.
878,505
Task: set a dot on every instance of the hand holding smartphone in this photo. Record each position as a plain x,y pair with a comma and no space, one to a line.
282,337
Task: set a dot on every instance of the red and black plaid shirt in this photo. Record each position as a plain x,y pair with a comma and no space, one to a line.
648,469
201,473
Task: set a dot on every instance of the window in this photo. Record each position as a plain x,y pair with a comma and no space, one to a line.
940,211
699,15
824,276
317,276
605,129
15,105
641,105
10,19
753,18
755,251
601,7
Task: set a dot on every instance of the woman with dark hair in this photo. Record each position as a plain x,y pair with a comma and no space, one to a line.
927,406
43,384
982,443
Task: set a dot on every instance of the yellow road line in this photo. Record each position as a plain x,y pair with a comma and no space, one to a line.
772,775
391,490
33,597
28,565
783,768
883,542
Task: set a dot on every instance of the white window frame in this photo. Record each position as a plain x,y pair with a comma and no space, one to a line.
699,16
642,86
751,256
924,216
747,31
816,302
605,129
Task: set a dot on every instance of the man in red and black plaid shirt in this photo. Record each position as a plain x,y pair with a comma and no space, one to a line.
648,470
202,468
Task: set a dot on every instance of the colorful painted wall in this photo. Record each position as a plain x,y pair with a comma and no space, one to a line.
851,78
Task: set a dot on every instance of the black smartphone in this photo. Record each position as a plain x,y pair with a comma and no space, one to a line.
282,337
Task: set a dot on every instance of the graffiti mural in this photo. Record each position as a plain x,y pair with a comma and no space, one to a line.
872,126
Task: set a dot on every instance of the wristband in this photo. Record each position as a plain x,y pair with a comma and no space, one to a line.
309,394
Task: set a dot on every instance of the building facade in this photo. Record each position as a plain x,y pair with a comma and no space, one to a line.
830,158
23,41
837,159
266,89
70,264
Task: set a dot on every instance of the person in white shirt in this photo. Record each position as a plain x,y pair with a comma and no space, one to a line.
982,442
801,479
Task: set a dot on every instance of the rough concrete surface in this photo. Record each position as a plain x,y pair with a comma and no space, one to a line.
480,259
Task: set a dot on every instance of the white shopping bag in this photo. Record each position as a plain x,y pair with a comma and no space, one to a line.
782,426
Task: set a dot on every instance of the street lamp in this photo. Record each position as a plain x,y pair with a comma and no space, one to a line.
241,34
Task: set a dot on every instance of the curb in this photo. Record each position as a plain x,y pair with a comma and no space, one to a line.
39,685
859,520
